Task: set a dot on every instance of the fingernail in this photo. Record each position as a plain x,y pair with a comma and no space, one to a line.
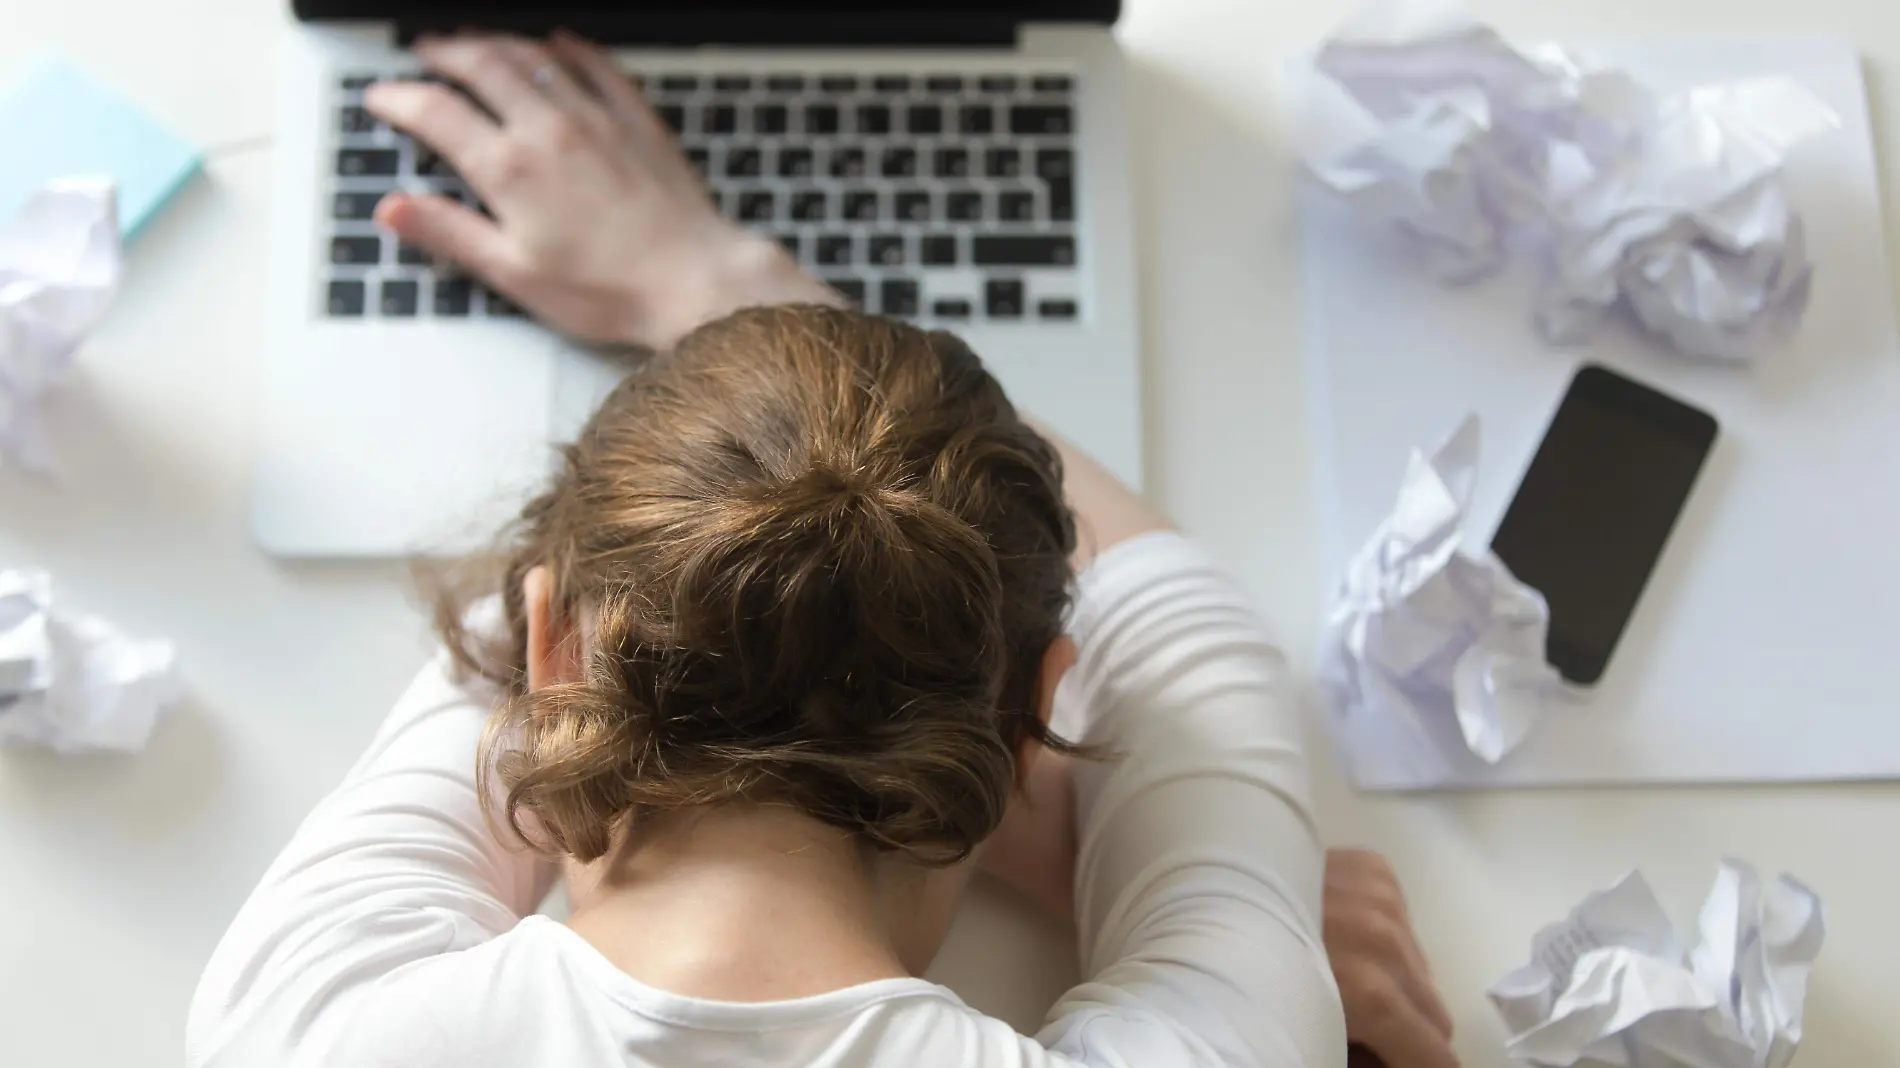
391,203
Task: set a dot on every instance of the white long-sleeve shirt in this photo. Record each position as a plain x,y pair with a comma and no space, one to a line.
395,930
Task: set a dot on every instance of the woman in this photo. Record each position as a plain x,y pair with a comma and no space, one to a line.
793,643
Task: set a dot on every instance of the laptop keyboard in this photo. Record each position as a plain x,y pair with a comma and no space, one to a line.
943,197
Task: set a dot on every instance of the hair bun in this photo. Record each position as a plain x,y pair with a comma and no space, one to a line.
835,586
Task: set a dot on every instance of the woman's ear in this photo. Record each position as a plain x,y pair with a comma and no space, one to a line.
1056,662
554,650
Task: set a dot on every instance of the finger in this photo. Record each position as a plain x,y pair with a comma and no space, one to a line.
484,67
1388,941
447,230
1401,1035
551,78
597,70
436,115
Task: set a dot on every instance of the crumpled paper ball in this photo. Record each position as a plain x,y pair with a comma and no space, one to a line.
1670,208
59,269
1423,631
75,683
1612,985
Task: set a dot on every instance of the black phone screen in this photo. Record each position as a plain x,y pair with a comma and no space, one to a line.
1595,509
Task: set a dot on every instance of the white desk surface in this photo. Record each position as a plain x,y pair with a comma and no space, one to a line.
119,875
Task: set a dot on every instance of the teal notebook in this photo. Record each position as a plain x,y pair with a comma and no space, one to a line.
55,122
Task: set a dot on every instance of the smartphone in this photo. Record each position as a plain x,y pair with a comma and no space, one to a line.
1596,507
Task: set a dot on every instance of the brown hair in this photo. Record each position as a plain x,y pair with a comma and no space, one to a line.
817,558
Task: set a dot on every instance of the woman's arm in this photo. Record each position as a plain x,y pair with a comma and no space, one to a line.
396,865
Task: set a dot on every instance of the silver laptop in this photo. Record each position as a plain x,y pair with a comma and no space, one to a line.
963,165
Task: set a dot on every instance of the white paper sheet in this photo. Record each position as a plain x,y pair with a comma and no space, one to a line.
1779,589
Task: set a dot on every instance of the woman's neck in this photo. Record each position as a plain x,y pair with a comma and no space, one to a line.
747,904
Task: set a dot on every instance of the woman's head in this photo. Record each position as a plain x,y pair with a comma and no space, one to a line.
810,558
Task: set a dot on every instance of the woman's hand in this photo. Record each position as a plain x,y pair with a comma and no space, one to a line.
1392,1008
601,228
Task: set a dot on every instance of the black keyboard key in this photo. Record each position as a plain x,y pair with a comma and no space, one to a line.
809,205
821,119
1055,163
430,163
758,205
500,307
1003,298
355,82
834,250
355,205
674,116
678,83
1014,205
1056,309
964,205
1051,83
346,298
1046,119
951,309
938,250
1038,250
998,83
771,119
944,83
839,83
891,83
743,162
792,243
886,250
355,120
699,157
356,251
924,120
796,163
897,296
874,119
732,83
913,205
898,163
365,162
847,163
411,255
952,163
719,119
976,119
1003,163
852,289
786,83
860,205
451,297
399,298
1062,200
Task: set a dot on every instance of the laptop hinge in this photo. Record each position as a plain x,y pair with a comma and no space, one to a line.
756,29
